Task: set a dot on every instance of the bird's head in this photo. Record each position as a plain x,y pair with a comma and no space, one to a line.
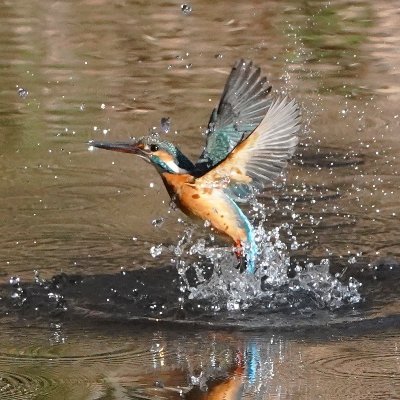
162,154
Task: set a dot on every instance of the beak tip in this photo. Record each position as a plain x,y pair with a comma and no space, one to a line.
91,145
122,147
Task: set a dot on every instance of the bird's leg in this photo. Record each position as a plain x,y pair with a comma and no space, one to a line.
238,250
240,256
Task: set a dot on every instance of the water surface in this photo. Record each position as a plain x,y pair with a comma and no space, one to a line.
90,322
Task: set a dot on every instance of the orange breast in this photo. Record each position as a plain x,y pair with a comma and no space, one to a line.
205,203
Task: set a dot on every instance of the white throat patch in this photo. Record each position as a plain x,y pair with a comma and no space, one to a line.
174,167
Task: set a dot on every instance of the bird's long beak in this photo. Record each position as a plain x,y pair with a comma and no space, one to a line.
122,147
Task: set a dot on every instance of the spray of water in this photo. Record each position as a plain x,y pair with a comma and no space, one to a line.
220,285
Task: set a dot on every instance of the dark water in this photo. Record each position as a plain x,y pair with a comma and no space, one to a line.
87,312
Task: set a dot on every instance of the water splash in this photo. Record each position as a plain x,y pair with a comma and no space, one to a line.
219,286
18,294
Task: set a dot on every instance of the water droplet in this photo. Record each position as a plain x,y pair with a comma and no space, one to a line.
233,306
15,280
294,245
38,279
22,92
155,251
165,124
18,294
186,9
157,222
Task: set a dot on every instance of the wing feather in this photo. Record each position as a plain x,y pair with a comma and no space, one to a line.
243,105
260,158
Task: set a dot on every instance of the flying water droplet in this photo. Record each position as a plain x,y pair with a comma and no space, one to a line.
165,124
156,251
18,294
15,280
186,9
38,279
157,223
22,92
294,245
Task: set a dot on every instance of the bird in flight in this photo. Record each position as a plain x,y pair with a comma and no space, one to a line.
250,138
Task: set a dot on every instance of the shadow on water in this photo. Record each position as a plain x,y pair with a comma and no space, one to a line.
155,297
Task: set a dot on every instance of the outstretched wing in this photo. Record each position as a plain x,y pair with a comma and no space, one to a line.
242,107
259,159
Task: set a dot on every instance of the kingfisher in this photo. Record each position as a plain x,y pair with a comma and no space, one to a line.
249,139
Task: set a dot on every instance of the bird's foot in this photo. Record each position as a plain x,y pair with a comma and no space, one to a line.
241,265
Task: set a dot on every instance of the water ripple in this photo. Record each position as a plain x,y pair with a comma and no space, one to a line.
17,386
367,363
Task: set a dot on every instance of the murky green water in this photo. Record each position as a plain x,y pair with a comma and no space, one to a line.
75,71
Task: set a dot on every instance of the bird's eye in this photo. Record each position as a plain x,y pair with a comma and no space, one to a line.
153,147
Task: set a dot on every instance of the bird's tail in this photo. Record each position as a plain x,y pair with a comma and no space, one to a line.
251,254
246,251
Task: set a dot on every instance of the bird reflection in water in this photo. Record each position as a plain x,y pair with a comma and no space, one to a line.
228,384
228,387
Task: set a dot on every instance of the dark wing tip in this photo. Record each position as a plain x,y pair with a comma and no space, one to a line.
243,104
